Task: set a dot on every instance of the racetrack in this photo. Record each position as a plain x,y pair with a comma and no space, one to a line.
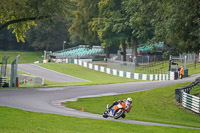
48,100
48,74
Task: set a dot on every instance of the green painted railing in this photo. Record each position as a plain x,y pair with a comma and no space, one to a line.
139,76
187,100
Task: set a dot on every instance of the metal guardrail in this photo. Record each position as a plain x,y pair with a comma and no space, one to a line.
2,81
23,79
3,66
187,100
191,102
14,82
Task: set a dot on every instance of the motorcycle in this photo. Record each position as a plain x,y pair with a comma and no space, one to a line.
116,111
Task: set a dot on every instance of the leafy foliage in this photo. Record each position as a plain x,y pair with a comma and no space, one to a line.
86,10
177,23
49,37
21,14
111,22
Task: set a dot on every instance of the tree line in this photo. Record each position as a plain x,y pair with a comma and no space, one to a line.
110,23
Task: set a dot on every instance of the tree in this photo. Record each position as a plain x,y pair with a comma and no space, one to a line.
83,15
177,23
50,37
140,15
7,40
110,26
20,15
76,41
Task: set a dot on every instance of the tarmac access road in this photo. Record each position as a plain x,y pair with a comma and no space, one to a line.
48,100
48,74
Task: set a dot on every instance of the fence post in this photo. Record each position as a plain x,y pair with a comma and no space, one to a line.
3,77
178,95
14,76
4,66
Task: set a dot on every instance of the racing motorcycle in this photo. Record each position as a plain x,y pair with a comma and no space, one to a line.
116,111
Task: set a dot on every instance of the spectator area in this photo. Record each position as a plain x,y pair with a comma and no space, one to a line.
78,52
149,47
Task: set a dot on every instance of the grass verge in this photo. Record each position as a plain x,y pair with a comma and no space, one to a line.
93,76
84,73
157,105
25,57
158,67
18,121
195,91
163,66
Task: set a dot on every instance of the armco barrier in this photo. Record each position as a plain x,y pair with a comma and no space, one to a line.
30,79
2,81
169,76
23,78
188,101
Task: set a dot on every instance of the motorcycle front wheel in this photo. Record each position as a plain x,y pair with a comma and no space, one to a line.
105,115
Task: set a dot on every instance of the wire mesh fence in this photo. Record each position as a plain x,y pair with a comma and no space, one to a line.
185,60
190,58
26,79
149,58
3,66
121,65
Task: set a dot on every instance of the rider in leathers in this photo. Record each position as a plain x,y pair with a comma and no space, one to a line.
128,102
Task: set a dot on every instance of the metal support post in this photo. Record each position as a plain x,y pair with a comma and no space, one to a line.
14,76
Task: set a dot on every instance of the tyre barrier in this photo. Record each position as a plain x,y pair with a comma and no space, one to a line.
187,100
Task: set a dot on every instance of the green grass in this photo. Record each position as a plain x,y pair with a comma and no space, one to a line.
158,67
153,68
195,90
157,105
162,67
21,85
25,57
18,121
192,70
80,72
77,71
84,73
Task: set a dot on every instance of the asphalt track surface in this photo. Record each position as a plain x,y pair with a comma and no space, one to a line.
48,100
48,74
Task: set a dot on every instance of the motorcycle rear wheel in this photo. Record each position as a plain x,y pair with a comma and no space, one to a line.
118,114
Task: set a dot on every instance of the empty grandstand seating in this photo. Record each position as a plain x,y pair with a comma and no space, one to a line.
78,52
149,47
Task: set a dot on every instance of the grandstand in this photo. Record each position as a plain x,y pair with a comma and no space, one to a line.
83,52
79,52
144,53
149,47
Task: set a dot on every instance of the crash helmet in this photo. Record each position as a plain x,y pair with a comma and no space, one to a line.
129,100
